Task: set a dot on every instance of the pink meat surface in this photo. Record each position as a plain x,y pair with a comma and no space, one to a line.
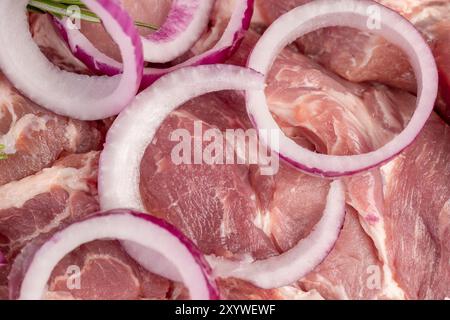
417,214
215,205
442,53
34,138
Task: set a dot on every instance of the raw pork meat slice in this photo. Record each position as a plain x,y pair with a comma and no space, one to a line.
224,209
39,205
339,117
417,214
107,272
352,270
213,205
34,138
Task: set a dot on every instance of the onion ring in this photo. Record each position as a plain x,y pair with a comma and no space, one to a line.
34,267
136,126
350,13
186,21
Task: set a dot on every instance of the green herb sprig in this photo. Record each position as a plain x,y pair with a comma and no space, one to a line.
3,155
61,8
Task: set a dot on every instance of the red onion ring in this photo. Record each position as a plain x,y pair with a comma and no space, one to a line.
77,96
153,233
296,263
98,62
185,23
136,126
350,13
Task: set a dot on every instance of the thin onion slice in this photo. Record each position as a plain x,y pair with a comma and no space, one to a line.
135,127
98,62
184,25
150,232
296,263
360,14
78,96
186,21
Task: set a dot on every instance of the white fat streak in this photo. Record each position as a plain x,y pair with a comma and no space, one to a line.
66,178
263,222
5,95
377,233
338,290
225,226
29,122
72,135
386,173
92,257
38,231
426,18
387,110
293,293
370,48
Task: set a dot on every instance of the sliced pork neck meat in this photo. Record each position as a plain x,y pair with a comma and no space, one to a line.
41,203
417,214
35,138
37,206
214,205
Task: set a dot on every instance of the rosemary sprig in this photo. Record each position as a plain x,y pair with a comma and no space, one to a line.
60,8
3,155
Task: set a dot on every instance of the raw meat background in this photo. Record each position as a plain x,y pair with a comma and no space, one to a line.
395,239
